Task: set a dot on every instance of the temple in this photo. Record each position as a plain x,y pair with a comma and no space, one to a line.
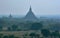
10,16
30,15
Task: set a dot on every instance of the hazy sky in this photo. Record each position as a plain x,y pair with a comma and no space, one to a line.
21,7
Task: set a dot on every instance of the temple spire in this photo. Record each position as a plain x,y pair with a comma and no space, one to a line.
30,15
10,16
30,8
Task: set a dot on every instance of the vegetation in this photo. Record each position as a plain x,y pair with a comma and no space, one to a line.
36,26
41,29
44,34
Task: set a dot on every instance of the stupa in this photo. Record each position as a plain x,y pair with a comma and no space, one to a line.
30,15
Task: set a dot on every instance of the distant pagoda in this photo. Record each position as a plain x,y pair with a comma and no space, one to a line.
10,16
30,15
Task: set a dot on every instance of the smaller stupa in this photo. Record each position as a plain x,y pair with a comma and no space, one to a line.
10,16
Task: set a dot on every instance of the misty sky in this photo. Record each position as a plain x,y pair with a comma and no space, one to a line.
21,7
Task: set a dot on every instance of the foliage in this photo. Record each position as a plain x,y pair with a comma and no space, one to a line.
6,36
45,32
14,27
36,26
11,36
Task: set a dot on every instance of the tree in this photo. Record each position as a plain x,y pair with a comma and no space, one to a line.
37,36
2,22
1,28
1,35
9,29
36,26
11,36
14,27
25,35
55,34
32,35
6,36
45,32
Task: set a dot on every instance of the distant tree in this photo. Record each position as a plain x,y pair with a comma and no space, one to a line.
59,35
37,36
11,36
14,27
36,26
9,29
45,32
1,28
1,21
18,29
32,35
24,36
16,37
55,34
6,36
1,35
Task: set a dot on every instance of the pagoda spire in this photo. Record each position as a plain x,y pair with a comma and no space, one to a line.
30,15
10,16
30,8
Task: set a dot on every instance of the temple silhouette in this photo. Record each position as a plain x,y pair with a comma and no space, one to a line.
30,15
10,16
